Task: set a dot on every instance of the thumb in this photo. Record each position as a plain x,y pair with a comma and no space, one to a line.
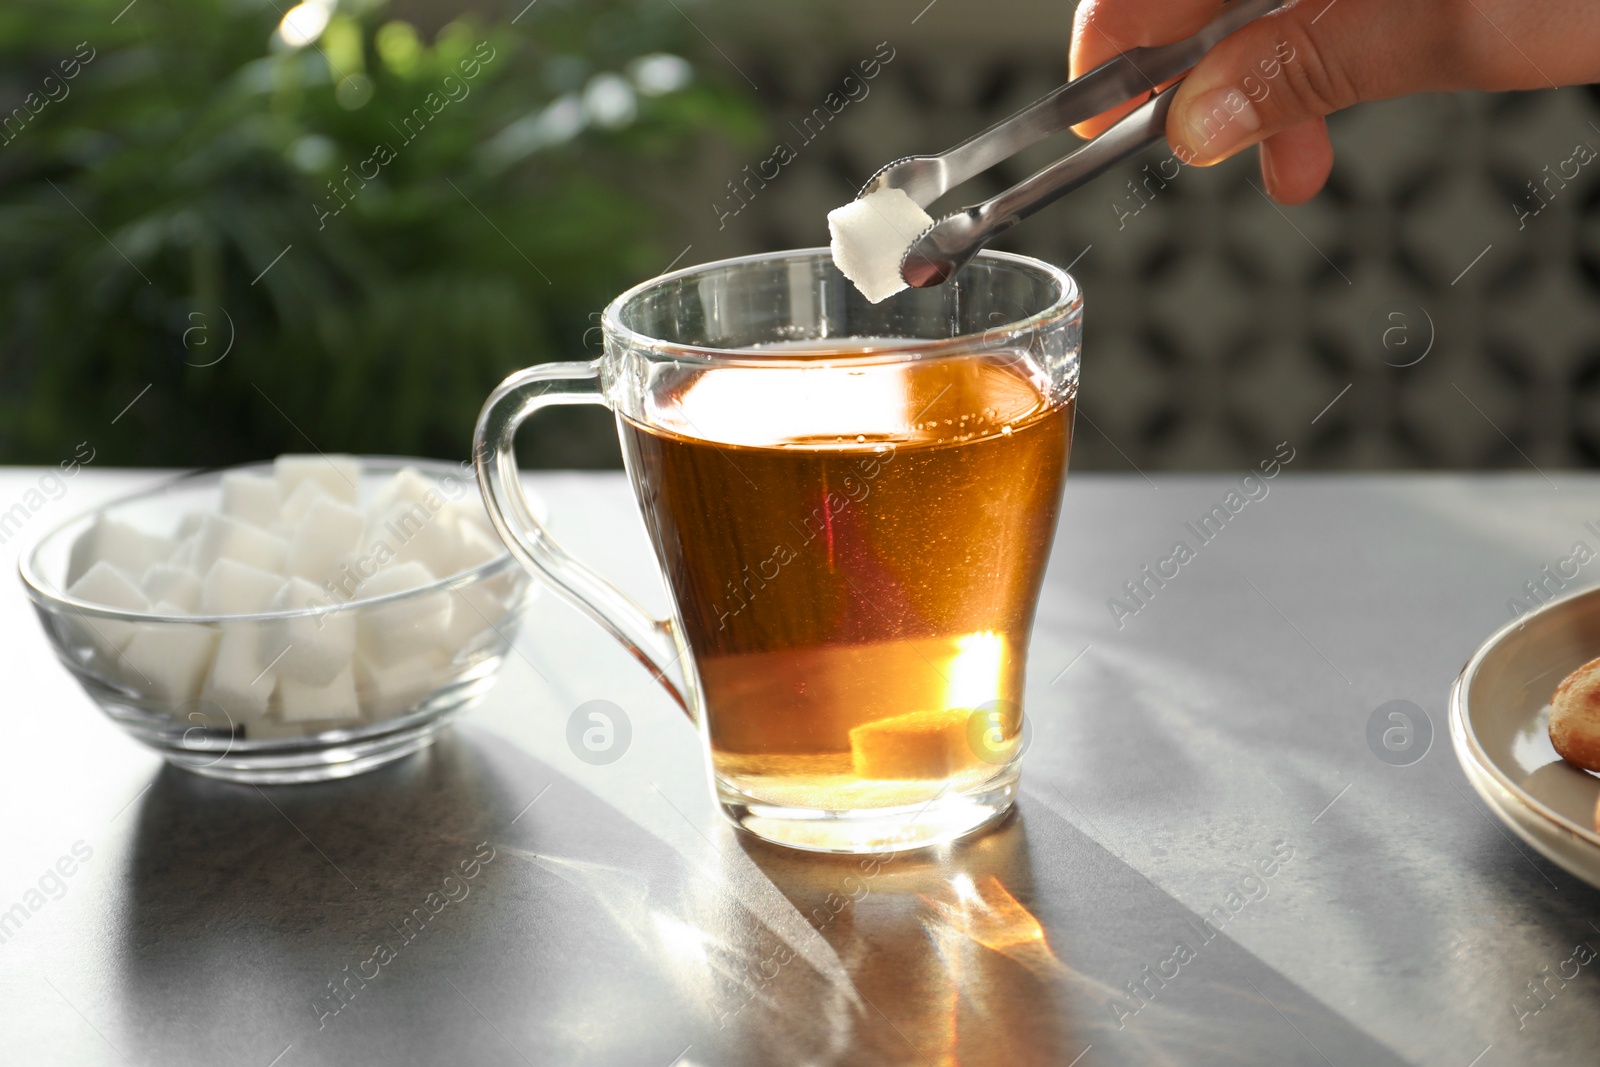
1306,60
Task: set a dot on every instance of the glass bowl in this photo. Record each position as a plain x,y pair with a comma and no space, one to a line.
426,653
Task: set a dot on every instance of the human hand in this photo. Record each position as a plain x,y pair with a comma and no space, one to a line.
1273,81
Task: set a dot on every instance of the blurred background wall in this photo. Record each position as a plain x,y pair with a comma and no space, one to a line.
1437,307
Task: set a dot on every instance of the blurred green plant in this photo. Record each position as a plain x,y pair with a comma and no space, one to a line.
375,227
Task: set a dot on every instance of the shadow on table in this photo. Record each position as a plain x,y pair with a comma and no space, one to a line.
200,841
243,905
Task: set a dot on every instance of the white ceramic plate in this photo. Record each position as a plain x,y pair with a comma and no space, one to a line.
1499,720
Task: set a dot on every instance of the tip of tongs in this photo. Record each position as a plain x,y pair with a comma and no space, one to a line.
940,250
919,177
944,247
949,244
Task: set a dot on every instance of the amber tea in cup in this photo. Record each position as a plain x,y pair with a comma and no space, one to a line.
852,506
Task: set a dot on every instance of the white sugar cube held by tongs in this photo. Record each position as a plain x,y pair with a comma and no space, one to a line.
942,248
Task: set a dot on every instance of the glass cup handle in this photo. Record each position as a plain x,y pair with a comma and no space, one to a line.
651,640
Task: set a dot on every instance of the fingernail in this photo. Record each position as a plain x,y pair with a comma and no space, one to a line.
1217,124
1269,174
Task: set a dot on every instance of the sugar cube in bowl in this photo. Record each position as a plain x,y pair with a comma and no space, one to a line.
298,620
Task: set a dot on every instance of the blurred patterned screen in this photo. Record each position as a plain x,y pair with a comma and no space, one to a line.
1445,329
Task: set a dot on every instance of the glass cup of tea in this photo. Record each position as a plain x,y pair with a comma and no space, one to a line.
852,506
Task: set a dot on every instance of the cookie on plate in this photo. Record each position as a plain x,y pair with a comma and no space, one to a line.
1575,717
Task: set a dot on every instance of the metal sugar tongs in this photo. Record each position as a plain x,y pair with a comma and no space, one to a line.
948,244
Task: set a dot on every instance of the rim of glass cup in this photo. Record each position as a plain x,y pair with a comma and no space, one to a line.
42,592
1067,302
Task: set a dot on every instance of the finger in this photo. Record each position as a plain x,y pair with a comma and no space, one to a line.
1102,29
1309,60
1295,163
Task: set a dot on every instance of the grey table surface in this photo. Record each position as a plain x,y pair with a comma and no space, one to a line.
618,920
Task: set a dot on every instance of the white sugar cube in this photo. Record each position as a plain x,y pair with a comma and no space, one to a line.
390,632
337,475
387,690
477,618
189,525
221,537
476,547
327,533
870,236
183,555
112,541
177,586
312,649
234,588
395,579
109,587
406,486
460,486
348,572
483,605
240,681
468,514
252,498
296,504
415,534
299,702
169,660
269,729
